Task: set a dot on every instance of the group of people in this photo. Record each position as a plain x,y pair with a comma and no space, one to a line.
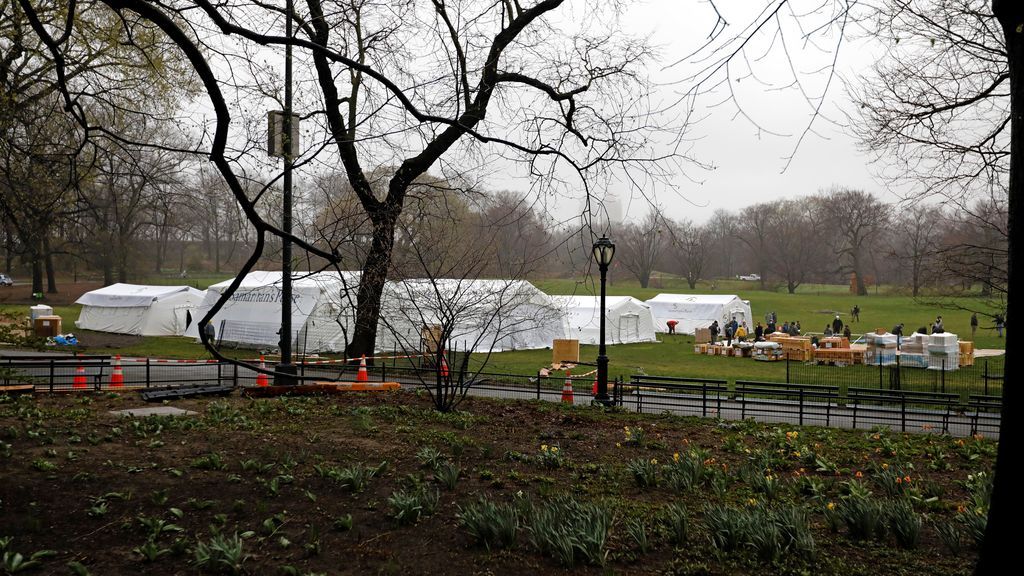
733,330
837,328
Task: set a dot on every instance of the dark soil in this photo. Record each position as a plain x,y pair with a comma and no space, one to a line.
89,485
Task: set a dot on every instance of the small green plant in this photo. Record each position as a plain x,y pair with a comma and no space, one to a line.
570,531
156,526
766,484
490,524
222,553
644,472
355,478
551,456
429,457
864,518
150,551
905,524
447,474
343,523
675,520
211,461
43,465
13,562
637,530
408,506
634,436
688,470
952,537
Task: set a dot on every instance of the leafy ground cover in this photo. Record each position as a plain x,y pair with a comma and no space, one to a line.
383,484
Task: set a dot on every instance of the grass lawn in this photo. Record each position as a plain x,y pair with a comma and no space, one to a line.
385,485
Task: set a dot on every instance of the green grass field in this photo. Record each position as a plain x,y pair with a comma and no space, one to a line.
813,305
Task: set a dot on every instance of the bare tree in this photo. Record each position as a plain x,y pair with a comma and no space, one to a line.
690,249
917,234
795,249
640,246
754,226
852,221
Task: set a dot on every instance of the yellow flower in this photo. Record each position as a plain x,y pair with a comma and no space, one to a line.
885,466
618,444
654,460
751,502
675,457
554,449
961,508
831,505
543,447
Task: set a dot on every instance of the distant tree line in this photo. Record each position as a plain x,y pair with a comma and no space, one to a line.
836,236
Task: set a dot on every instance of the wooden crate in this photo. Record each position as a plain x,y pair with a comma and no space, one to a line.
967,359
967,347
834,342
702,335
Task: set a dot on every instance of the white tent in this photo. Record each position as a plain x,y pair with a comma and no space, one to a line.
694,311
142,310
627,319
322,311
482,315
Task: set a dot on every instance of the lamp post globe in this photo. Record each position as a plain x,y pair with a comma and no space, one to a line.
604,252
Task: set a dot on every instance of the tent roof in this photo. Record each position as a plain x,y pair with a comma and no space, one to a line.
696,298
130,295
577,301
262,278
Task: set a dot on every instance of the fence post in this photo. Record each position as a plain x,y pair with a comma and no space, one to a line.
147,372
234,377
801,406
944,374
384,371
51,375
903,412
219,366
704,394
538,384
880,372
986,376
787,369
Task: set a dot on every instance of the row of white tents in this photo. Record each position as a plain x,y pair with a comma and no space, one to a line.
482,314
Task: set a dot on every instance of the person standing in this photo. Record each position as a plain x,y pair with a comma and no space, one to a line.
937,327
846,332
728,333
741,333
1000,324
855,313
898,331
974,324
758,333
714,332
828,330
837,325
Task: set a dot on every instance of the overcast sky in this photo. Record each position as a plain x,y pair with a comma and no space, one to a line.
750,162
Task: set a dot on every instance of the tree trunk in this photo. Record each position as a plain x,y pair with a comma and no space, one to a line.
371,285
999,548
37,266
791,286
51,276
645,278
862,290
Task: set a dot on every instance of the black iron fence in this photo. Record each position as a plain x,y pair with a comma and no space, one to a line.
852,397
984,377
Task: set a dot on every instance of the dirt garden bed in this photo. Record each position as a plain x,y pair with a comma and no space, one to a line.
347,484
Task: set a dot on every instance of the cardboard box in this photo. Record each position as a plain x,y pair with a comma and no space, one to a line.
702,335
565,350
47,326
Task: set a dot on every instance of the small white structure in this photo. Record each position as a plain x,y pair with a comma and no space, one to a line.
140,310
323,309
627,320
481,315
693,311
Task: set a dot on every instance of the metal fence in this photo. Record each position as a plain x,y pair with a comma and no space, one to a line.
984,377
838,397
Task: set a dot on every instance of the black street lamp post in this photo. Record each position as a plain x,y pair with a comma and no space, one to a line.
604,251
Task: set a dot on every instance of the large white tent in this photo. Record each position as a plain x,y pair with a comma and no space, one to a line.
322,311
627,319
142,310
482,315
694,311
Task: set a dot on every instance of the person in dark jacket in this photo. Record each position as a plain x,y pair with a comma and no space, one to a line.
837,325
898,331
758,333
714,331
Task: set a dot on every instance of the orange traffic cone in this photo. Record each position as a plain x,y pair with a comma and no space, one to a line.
362,375
567,389
444,365
261,378
80,381
117,378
